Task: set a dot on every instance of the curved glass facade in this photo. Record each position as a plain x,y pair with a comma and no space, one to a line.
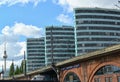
59,41
35,53
96,28
71,77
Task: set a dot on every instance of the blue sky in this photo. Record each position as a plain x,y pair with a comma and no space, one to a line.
44,14
21,19
39,15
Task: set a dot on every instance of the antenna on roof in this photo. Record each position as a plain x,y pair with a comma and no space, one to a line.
118,5
118,1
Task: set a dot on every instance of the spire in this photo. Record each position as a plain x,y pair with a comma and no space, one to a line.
5,55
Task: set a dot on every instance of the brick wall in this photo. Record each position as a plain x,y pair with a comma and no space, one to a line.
89,67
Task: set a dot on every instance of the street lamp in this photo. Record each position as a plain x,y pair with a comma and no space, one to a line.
13,70
24,66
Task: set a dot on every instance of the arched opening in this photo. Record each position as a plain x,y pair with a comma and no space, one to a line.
71,77
108,69
107,73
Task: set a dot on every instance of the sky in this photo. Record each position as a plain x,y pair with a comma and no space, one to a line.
22,19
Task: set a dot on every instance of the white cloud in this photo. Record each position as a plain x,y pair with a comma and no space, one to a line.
8,63
27,30
15,50
6,30
64,19
22,29
15,46
23,2
23,48
68,5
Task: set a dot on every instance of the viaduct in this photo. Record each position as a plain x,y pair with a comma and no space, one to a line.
99,66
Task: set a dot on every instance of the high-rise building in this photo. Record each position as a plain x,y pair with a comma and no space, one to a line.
96,28
35,53
59,44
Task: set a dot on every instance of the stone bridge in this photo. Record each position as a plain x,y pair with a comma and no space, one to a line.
99,66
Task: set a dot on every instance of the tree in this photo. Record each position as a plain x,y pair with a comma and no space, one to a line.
17,71
21,67
11,72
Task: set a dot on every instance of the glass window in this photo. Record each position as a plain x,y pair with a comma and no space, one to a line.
97,11
118,78
108,79
108,69
97,80
71,77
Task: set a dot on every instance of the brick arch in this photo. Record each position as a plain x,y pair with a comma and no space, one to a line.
71,71
99,66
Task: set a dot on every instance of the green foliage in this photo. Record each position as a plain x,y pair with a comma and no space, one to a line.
17,71
21,67
11,72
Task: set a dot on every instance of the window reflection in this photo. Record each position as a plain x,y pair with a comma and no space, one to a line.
108,69
71,77
97,80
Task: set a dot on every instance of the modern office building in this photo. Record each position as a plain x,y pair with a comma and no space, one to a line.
59,44
96,28
35,53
